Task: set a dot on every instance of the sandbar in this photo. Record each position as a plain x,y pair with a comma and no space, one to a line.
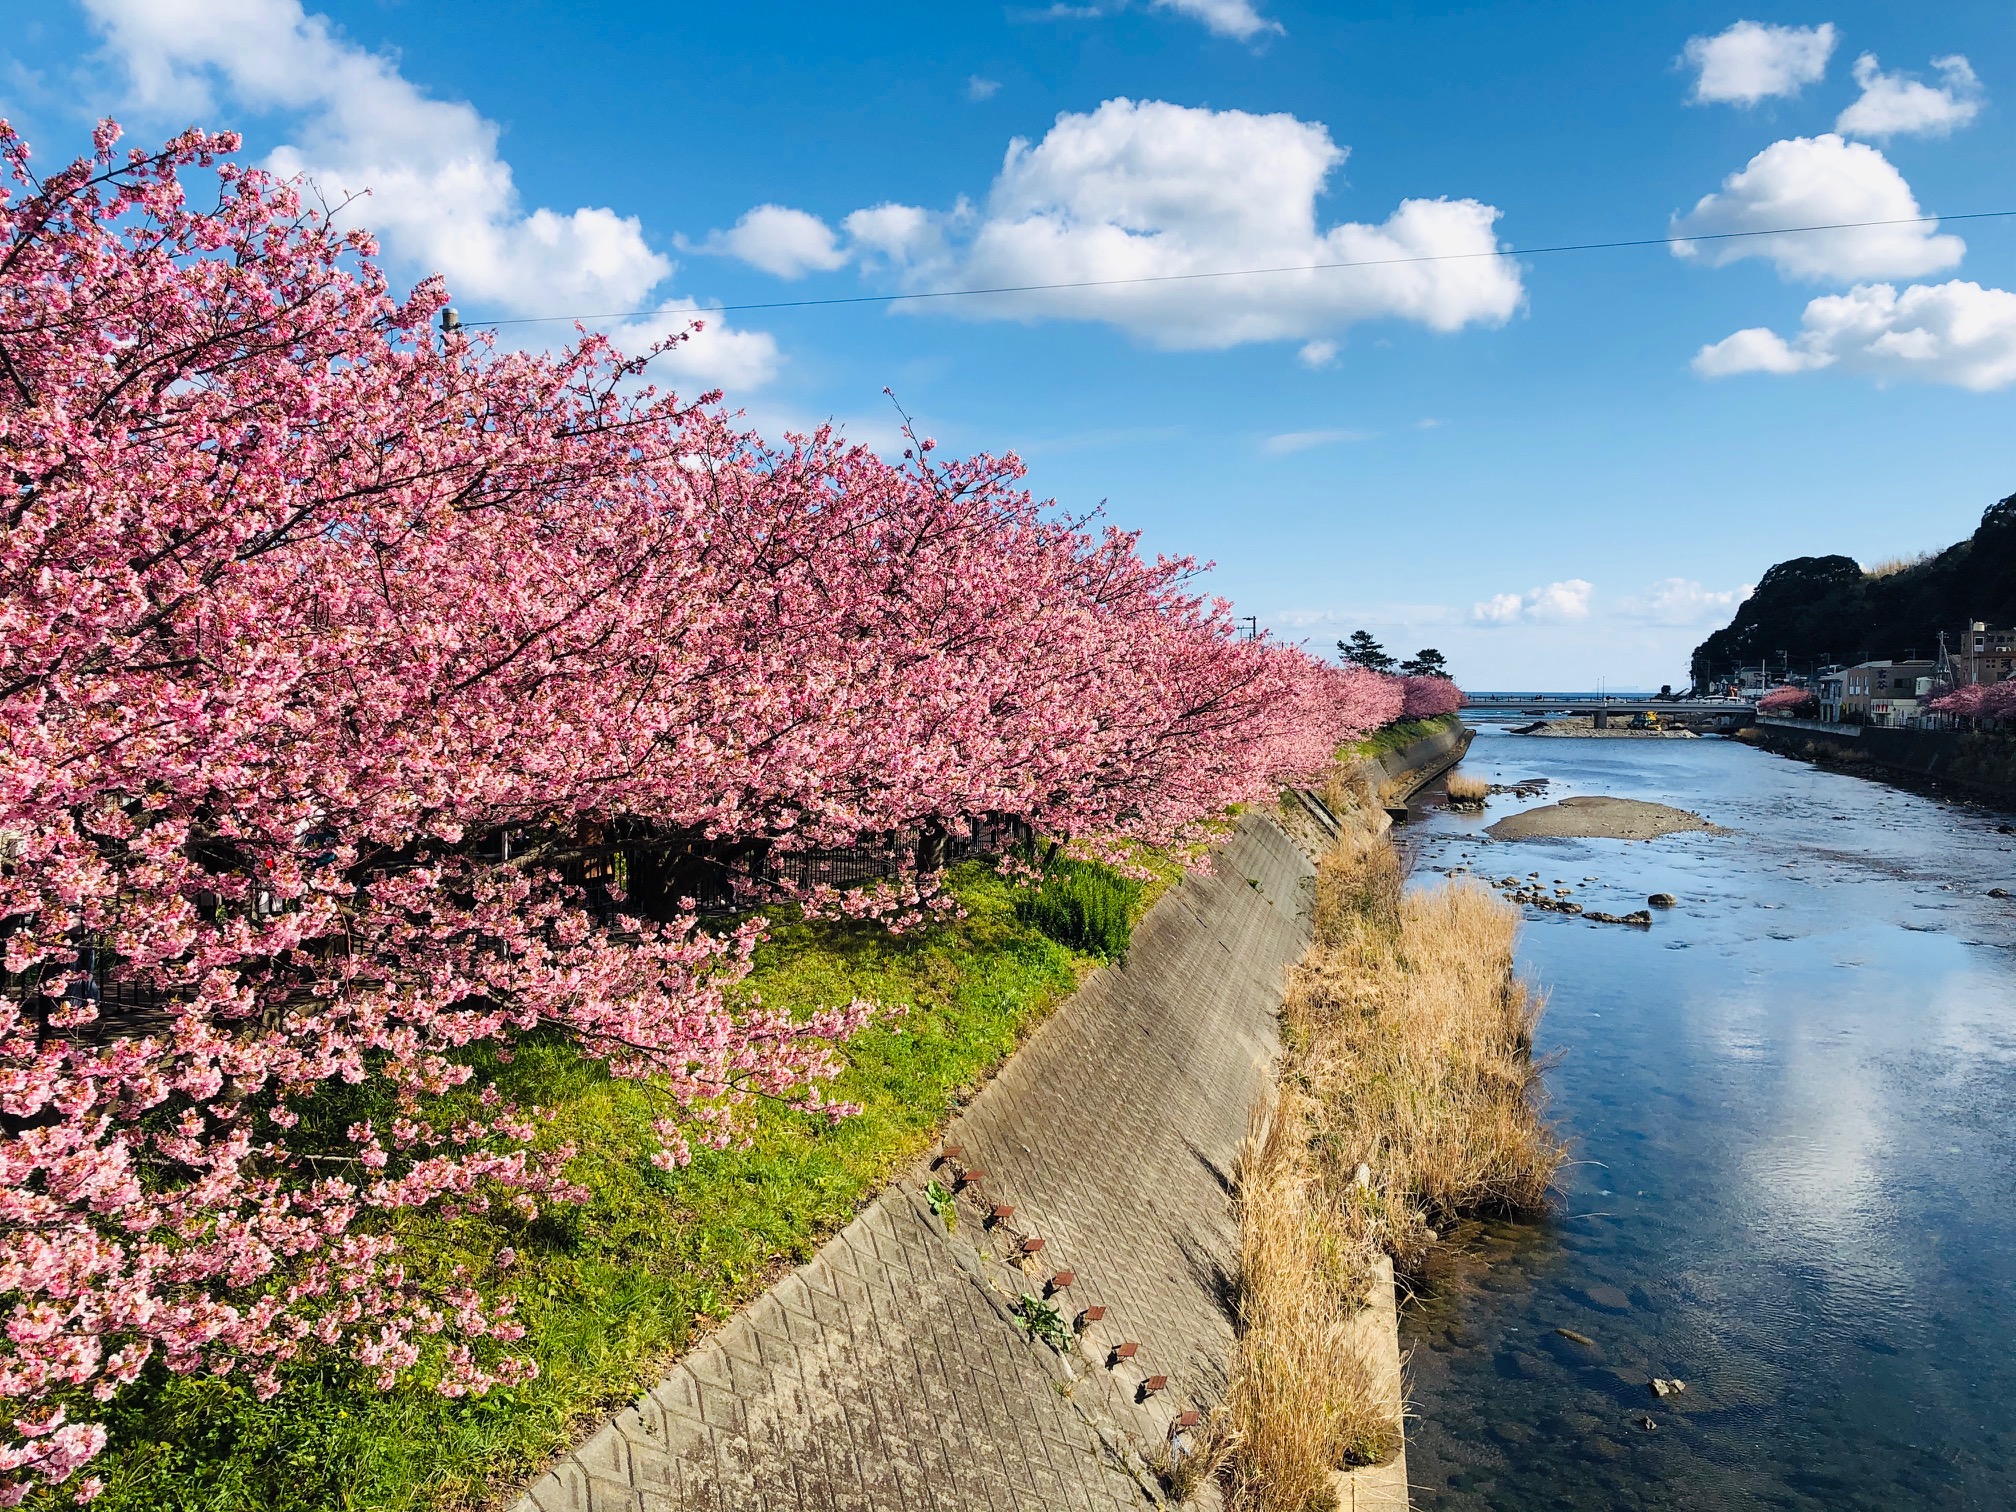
1600,819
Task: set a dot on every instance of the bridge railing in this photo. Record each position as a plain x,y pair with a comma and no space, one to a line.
1610,701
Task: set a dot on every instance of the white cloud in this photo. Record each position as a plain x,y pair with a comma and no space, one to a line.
788,243
1819,181
1169,194
718,355
978,88
1954,333
1900,105
441,198
1683,601
1751,61
902,233
1295,441
1553,604
1756,349
1228,18
1317,354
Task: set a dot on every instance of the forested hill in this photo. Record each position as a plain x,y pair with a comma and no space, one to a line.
1826,608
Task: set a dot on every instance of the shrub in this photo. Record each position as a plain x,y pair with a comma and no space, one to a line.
1084,905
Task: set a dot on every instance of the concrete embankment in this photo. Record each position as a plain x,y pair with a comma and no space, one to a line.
1038,1315
1979,763
1042,1349
1399,774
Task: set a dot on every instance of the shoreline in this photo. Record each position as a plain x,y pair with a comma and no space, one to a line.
1980,765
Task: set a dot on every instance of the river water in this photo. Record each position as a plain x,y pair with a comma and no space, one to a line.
1793,1106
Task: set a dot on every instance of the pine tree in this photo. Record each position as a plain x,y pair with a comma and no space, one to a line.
1427,662
1366,652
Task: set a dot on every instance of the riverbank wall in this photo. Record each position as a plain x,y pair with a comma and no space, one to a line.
1025,1318
1044,1312
1399,774
1981,764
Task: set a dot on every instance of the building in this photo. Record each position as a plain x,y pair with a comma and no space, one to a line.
1827,687
1885,692
1982,654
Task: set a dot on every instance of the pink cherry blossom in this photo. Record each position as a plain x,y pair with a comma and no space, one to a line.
1783,700
1985,702
347,669
1429,697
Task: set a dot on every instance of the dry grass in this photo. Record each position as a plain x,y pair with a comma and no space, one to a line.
1303,1398
1348,791
1413,1037
1891,566
1467,791
1409,1098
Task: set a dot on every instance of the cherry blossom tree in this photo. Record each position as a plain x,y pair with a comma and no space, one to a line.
1783,700
1982,702
365,691
1426,697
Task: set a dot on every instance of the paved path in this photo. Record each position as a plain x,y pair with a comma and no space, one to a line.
890,1374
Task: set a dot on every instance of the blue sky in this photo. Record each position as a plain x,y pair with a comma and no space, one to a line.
1559,468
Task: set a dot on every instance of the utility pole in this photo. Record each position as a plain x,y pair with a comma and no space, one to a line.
1252,624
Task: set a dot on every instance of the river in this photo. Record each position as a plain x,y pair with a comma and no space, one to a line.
1792,1104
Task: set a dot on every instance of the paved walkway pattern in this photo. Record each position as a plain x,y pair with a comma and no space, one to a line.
892,1374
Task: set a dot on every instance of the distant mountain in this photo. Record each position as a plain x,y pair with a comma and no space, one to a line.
1826,608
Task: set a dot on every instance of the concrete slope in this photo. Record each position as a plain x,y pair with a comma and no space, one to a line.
892,1371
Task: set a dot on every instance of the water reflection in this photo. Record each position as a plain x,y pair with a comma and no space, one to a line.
1792,1102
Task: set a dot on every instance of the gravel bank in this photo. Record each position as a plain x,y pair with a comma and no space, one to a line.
1583,725
1600,819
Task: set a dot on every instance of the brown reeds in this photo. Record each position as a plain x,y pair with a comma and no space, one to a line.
1409,1098
1466,791
1303,1397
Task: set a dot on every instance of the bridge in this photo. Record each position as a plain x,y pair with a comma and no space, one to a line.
1716,713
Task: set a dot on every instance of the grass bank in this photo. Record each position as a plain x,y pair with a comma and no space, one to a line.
1397,736
613,1290
1408,1098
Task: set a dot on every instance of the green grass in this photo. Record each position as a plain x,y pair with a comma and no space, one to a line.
1088,907
1399,735
614,1290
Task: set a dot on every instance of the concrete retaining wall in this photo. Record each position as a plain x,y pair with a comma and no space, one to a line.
896,1370
892,1371
1406,771
1984,764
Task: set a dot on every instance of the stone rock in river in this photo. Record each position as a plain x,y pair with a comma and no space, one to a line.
1514,1365
1667,1388
1608,1298
1662,900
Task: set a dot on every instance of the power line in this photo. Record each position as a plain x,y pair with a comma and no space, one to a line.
1158,278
